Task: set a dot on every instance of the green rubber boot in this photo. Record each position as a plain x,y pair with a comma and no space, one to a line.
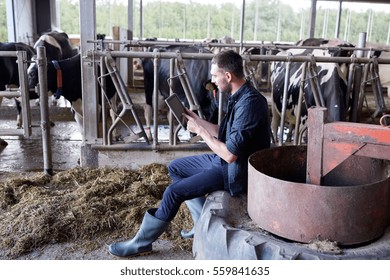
151,228
195,206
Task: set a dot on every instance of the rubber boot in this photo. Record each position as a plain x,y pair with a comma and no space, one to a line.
195,206
151,228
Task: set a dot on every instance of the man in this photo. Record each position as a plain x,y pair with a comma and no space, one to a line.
244,130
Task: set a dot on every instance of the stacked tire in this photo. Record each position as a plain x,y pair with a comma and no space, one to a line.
220,234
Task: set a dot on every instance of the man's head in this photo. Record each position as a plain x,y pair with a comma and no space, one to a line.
226,68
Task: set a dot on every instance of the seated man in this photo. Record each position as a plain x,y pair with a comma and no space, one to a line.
243,131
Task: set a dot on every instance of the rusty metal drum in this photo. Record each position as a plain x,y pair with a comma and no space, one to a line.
352,206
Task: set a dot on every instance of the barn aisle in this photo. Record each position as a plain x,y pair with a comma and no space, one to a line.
26,154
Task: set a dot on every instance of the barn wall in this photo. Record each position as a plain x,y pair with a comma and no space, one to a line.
26,19
20,22
48,22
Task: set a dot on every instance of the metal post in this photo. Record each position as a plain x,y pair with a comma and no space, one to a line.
141,20
338,20
172,139
313,11
24,92
314,169
44,106
284,104
242,25
357,79
103,86
300,100
156,62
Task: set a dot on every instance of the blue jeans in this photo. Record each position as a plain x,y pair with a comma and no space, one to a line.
192,176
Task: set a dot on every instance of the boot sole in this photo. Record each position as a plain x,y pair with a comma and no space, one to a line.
132,256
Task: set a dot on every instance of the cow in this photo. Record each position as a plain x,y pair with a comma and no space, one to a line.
331,78
198,74
57,46
71,88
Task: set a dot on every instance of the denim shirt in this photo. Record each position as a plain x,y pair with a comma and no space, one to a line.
245,129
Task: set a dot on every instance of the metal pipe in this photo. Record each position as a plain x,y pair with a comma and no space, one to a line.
299,104
102,94
44,106
315,85
186,84
24,92
284,103
377,91
144,43
156,63
242,25
313,12
172,140
362,89
357,78
338,20
195,56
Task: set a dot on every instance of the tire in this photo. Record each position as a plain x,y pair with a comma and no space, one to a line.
221,235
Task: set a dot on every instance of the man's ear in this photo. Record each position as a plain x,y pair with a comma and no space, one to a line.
228,76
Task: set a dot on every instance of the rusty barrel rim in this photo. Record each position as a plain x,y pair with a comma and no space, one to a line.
285,205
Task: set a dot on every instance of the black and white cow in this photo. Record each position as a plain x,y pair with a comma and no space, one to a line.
71,83
198,72
332,82
58,47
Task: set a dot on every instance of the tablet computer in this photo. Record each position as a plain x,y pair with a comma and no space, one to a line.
177,108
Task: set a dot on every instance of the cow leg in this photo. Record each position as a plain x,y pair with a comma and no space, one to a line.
148,113
19,119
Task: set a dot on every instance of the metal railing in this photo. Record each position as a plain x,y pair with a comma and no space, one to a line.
310,61
22,91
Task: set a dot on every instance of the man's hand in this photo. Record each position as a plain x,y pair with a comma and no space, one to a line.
193,121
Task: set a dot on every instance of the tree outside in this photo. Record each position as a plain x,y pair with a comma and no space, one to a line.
265,20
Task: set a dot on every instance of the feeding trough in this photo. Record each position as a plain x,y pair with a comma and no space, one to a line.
337,188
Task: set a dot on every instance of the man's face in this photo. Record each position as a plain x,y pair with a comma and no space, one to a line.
220,78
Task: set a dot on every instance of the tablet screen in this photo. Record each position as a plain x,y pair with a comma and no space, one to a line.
177,108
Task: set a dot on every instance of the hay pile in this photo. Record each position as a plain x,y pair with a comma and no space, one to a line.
87,206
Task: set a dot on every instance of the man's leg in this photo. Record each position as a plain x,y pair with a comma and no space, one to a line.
197,179
184,167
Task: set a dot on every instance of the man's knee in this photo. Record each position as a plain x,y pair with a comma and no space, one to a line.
174,168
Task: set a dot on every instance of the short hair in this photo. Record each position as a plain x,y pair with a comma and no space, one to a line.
229,61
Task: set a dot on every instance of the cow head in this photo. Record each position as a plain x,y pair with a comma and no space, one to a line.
57,45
